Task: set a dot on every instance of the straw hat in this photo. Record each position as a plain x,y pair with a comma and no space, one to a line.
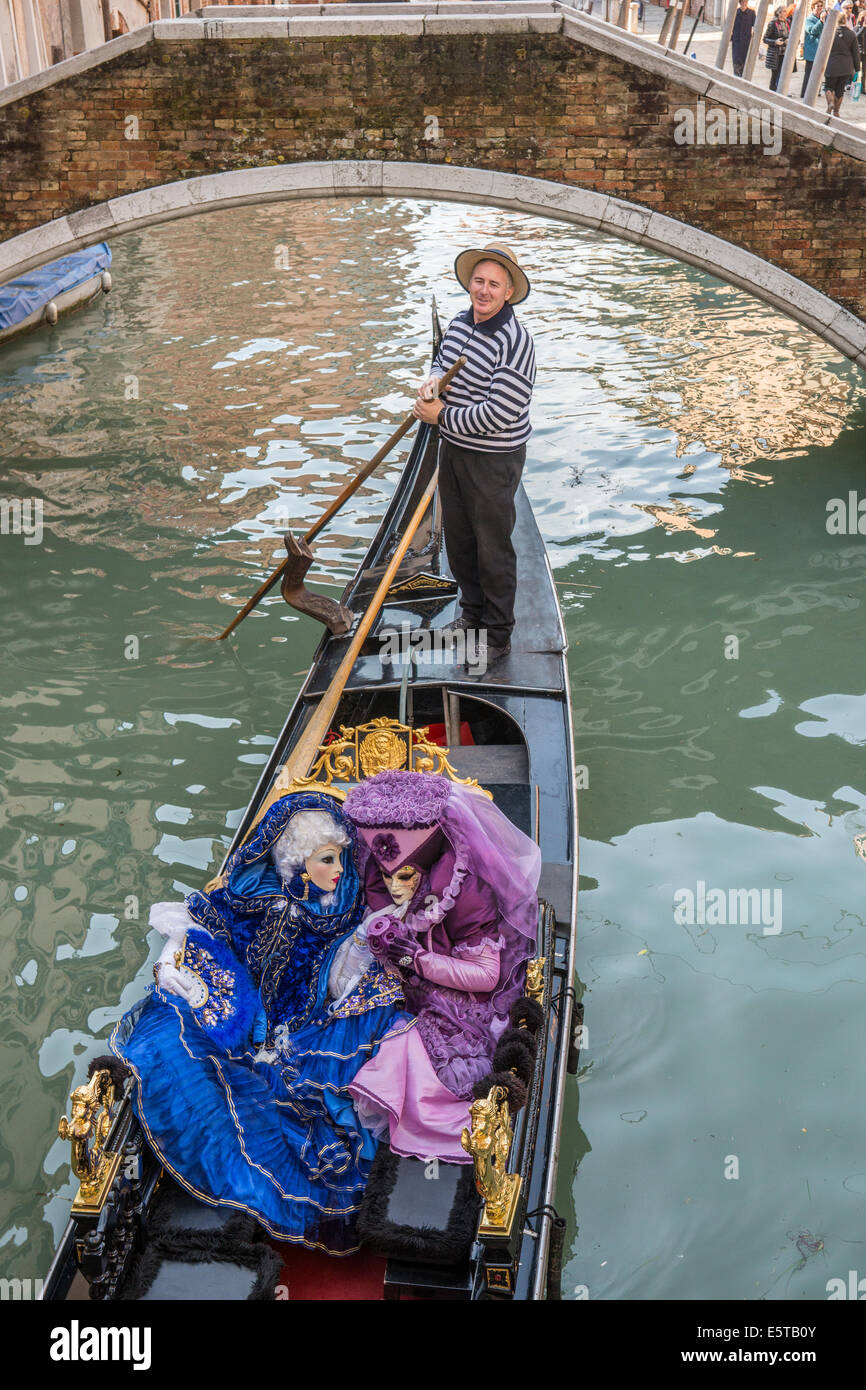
493,251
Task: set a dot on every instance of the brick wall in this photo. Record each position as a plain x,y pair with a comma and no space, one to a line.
534,104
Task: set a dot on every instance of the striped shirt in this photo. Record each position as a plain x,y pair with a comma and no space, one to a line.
487,404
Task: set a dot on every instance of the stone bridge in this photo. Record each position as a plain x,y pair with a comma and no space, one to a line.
528,106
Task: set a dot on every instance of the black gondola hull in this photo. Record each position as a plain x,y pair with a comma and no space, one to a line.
520,711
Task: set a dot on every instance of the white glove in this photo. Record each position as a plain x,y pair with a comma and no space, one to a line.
172,921
167,974
353,959
350,962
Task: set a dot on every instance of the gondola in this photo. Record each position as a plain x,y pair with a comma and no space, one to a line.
479,1232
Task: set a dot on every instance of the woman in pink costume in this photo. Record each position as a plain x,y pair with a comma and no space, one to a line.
451,885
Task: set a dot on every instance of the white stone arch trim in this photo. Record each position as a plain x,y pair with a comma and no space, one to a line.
385,178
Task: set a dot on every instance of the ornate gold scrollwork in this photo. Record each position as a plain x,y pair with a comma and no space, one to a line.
489,1143
382,745
416,583
94,1166
535,978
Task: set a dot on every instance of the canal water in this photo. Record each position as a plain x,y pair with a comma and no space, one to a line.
688,442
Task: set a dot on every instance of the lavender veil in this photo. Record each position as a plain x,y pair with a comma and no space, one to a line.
485,844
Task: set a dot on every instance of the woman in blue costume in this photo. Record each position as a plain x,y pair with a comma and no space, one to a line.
266,1004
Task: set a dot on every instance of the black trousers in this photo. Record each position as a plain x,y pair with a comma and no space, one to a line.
477,490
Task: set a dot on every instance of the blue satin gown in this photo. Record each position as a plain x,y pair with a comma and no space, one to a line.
277,1139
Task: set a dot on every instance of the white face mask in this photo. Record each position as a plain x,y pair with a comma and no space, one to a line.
402,884
324,867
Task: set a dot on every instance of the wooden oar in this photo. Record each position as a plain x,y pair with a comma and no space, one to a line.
303,754
337,503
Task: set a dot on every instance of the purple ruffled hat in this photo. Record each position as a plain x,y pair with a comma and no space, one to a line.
397,817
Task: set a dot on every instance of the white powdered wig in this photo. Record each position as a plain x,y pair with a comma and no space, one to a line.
305,833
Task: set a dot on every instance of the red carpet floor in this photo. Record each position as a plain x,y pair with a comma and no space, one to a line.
308,1275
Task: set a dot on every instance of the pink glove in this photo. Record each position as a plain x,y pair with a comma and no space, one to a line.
478,975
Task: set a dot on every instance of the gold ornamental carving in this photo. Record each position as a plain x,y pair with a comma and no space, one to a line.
416,583
489,1143
535,978
381,751
95,1166
362,750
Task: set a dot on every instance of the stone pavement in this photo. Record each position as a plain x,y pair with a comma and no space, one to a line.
705,45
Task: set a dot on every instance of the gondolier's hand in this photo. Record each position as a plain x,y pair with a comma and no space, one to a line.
428,405
428,411
429,389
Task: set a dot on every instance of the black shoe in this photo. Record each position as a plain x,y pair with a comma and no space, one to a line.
497,650
461,624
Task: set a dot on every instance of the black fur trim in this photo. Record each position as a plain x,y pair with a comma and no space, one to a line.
514,1056
527,1013
521,1036
418,1244
260,1258
240,1240
119,1072
238,1229
517,1091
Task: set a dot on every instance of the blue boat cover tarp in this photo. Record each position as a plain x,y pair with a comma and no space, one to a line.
21,297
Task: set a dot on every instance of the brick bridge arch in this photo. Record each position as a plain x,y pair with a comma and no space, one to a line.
541,111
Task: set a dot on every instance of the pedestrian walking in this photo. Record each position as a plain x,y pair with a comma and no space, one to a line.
843,64
776,39
811,38
741,36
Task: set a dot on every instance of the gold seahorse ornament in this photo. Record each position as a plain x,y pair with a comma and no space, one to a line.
87,1131
489,1143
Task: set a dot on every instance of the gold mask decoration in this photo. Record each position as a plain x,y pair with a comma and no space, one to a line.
403,883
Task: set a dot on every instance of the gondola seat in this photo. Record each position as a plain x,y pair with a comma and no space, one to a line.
195,1251
420,1214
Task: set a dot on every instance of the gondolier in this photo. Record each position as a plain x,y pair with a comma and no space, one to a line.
483,430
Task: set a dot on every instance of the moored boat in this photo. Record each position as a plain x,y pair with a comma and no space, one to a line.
45,294
482,1230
